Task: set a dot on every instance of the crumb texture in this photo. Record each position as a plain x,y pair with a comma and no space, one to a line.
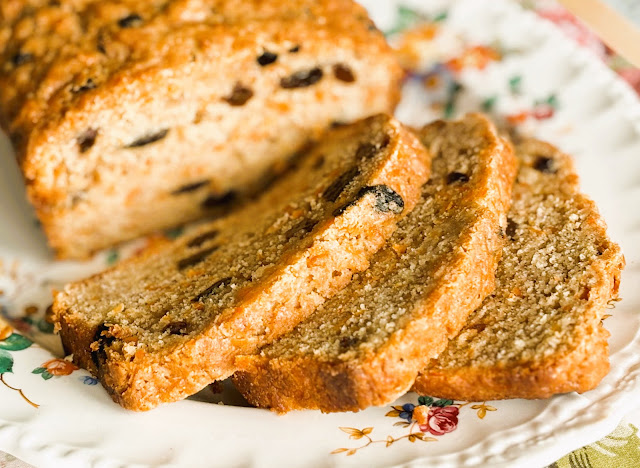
238,282
540,332
367,343
418,257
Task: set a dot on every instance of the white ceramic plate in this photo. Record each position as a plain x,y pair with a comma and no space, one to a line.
544,82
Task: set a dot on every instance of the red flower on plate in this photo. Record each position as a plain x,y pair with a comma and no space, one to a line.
441,420
543,112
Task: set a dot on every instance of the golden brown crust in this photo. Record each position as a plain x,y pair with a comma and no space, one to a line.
109,321
579,371
460,280
309,383
82,81
575,356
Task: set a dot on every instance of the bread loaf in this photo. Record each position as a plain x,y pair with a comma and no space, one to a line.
540,332
366,345
130,116
161,326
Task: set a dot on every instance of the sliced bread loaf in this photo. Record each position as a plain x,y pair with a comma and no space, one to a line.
161,326
116,106
540,332
366,345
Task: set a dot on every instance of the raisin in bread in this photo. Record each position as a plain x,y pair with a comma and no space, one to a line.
185,106
161,326
540,332
366,345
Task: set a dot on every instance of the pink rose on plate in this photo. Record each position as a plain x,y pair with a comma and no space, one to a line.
441,420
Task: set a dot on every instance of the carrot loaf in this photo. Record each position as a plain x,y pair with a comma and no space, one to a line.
366,345
540,332
161,326
131,116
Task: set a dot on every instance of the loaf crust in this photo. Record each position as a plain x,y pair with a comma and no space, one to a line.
506,350
366,345
163,325
114,106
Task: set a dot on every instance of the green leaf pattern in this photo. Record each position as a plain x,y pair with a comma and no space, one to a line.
43,373
430,401
15,342
6,362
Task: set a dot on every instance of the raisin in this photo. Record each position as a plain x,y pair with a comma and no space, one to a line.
302,79
103,338
148,139
347,342
545,165
479,327
190,187
301,228
87,139
215,201
585,293
511,228
21,58
130,21
295,49
267,180
369,150
295,159
87,86
100,45
196,258
341,209
212,288
202,238
386,139
366,151
343,73
177,328
333,191
337,124
457,177
267,58
239,96
319,162
387,200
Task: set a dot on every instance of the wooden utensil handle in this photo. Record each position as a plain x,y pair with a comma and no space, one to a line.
614,29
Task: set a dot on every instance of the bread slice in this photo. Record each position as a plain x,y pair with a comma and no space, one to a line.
540,332
184,106
367,344
161,326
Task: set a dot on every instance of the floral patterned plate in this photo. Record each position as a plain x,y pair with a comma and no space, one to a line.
464,55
